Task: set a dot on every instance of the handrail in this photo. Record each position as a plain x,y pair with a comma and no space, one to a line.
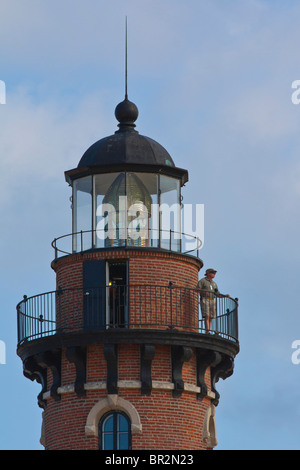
122,306
174,237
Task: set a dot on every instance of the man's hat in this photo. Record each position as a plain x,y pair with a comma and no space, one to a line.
210,270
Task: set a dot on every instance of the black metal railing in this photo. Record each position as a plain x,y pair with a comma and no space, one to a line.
117,306
84,240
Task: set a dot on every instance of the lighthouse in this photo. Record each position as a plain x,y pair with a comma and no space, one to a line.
120,347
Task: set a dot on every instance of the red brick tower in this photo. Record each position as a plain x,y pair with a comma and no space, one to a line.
119,347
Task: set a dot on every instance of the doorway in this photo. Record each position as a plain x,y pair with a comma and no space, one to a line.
105,294
117,295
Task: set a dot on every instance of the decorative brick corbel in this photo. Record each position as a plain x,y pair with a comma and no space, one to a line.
223,369
111,356
52,360
33,371
179,355
205,359
77,355
147,355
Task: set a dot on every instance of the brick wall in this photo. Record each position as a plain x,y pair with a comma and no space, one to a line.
144,267
150,273
168,422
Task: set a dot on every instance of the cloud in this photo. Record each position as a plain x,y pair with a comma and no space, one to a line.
40,140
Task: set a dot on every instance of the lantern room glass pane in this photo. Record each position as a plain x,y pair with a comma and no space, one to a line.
143,214
109,217
123,209
170,213
82,214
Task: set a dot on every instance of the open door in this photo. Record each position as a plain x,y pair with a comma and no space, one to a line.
118,294
105,294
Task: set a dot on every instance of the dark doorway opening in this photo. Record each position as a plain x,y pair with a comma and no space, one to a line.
118,294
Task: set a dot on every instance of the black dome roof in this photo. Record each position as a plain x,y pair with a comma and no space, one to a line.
126,149
126,145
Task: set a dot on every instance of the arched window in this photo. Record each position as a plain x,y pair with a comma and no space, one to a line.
114,431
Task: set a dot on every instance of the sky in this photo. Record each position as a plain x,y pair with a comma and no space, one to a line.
213,84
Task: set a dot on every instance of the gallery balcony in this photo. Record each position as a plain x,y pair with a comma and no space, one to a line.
125,311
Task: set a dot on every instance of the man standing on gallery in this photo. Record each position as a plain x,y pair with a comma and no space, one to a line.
209,291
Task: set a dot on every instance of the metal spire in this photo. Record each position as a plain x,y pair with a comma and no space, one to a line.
126,112
126,95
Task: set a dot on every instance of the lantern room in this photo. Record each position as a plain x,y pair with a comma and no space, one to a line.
126,191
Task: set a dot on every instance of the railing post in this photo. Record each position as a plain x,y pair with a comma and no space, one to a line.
19,329
59,292
236,319
171,305
127,308
18,322
25,317
113,319
55,248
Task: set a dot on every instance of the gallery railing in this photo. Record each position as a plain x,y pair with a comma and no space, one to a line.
118,306
97,239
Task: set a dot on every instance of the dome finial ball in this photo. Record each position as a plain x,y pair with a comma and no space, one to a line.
126,112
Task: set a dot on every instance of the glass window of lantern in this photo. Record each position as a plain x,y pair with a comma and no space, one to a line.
142,206
109,216
170,213
82,214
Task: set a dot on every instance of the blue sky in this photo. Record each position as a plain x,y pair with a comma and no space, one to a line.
212,81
